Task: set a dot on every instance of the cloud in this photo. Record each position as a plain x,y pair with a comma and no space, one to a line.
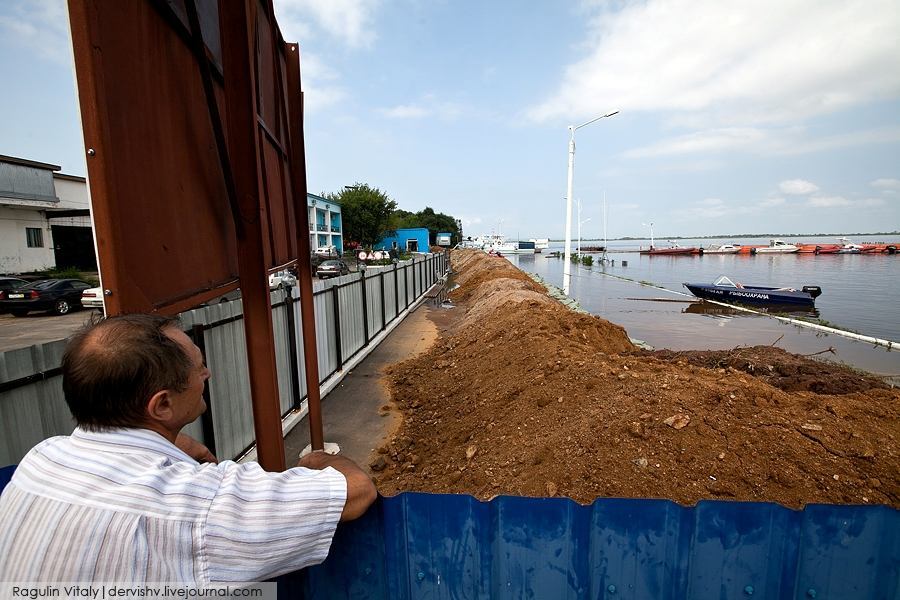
427,107
714,208
321,87
702,141
348,21
406,111
828,202
841,202
886,184
785,141
765,61
793,144
41,25
797,187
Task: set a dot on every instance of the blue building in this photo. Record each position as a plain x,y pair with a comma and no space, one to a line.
325,225
406,240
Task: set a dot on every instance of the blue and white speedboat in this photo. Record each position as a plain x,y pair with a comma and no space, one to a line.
725,290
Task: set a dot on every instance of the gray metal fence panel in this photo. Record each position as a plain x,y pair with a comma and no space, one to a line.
298,339
34,409
353,336
34,412
229,387
403,287
374,302
325,330
280,331
390,294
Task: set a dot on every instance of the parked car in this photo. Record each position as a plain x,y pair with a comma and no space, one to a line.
332,268
57,295
282,279
92,298
326,251
9,283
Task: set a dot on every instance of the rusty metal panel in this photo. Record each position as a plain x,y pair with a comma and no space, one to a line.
165,227
191,112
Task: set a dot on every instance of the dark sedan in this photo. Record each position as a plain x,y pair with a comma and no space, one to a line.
57,295
332,268
9,283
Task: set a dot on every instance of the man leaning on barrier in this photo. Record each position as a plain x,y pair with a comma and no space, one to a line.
128,498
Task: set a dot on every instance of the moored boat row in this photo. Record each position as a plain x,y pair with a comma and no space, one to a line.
777,246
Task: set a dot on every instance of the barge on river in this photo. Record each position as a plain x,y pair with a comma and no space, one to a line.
725,290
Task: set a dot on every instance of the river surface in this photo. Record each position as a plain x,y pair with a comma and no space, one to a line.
859,293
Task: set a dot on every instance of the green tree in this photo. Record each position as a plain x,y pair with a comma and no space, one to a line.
366,212
434,222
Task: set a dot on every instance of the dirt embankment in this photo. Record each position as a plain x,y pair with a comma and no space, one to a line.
522,396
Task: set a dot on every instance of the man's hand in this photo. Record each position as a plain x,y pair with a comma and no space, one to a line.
194,449
361,492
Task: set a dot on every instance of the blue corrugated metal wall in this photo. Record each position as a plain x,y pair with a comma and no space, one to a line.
452,547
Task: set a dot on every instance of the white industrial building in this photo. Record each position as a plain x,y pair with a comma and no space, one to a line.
325,224
44,218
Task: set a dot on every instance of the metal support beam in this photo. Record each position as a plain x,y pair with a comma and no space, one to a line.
238,25
304,268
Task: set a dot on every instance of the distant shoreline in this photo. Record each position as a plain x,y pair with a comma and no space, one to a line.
737,236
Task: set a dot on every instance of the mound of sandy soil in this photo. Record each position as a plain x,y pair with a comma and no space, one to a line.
522,396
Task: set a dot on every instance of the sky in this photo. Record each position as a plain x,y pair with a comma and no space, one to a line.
774,116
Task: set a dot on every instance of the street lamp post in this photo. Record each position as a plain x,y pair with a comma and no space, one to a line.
567,267
651,233
580,223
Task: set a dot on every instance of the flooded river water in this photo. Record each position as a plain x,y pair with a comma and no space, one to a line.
858,294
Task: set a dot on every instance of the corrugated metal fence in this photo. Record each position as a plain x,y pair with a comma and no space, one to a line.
441,546
351,312
446,546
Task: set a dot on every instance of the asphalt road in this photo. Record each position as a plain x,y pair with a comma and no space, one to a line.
38,327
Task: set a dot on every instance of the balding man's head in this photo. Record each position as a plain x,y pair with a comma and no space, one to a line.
111,369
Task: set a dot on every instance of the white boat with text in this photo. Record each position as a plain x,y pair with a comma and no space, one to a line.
776,247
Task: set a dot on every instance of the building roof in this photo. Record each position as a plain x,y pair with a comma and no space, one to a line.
69,177
29,163
318,198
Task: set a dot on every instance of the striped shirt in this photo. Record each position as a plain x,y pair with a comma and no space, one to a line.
128,506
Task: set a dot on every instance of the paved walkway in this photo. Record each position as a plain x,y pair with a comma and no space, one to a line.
39,328
353,414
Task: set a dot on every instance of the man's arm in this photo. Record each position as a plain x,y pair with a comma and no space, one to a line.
361,492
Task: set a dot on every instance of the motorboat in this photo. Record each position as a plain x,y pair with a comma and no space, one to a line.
848,247
540,243
673,250
776,247
515,248
725,290
723,249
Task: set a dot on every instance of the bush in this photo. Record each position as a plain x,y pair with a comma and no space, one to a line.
587,260
64,273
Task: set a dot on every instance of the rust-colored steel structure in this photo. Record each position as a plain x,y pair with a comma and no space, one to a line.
192,116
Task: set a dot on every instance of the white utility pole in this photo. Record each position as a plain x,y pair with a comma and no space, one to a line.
567,255
580,223
605,242
651,233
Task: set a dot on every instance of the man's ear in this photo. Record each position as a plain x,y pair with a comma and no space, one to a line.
159,407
